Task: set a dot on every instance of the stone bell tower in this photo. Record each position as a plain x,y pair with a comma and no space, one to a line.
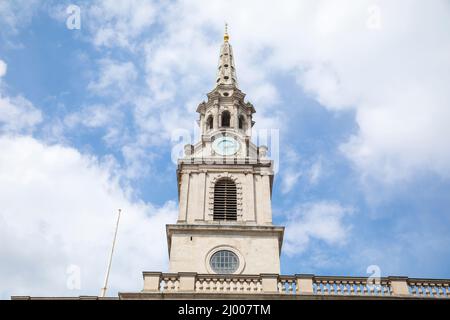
224,188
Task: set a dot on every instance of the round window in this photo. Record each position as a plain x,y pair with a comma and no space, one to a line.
224,261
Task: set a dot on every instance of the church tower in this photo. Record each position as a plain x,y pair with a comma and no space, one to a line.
224,189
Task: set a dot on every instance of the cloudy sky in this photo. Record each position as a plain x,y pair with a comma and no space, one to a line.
359,91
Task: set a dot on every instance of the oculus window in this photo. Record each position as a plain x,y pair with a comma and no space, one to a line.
224,261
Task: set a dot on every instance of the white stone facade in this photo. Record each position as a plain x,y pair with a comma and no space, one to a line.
191,247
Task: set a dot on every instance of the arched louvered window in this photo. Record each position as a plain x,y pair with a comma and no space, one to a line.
209,122
226,119
241,122
225,200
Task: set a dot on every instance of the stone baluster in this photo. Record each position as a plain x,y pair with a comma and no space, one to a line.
434,291
281,288
331,285
440,291
364,288
344,287
338,287
426,289
352,288
325,287
445,290
228,287
386,290
420,290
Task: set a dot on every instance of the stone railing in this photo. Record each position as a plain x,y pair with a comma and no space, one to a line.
429,288
246,284
341,286
297,285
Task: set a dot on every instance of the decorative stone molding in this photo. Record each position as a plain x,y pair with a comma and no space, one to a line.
188,150
262,151
212,182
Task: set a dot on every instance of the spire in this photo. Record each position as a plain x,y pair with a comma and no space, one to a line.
226,73
226,37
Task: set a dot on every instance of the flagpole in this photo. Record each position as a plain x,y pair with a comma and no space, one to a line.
103,292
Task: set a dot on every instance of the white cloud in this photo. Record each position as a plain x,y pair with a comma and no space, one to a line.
291,169
114,77
120,22
17,114
322,221
315,172
289,179
394,76
16,14
93,116
59,209
3,68
137,161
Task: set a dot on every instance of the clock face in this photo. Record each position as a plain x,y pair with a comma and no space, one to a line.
225,146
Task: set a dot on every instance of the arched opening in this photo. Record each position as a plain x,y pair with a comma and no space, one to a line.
225,200
226,119
241,121
209,123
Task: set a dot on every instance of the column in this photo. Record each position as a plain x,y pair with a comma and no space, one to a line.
184,196
262,198
249,125
201,196
248,194
202,124
216,117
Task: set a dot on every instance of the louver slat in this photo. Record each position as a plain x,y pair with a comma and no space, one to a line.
225,200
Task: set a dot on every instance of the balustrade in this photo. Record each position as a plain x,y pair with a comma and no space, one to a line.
309,285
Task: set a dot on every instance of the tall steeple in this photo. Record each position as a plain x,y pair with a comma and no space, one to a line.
225,181
226,72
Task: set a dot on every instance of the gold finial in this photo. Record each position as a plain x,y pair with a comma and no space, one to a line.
226,37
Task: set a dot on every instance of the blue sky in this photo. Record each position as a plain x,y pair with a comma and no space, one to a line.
358,92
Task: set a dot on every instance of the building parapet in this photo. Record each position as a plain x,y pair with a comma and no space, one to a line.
294,285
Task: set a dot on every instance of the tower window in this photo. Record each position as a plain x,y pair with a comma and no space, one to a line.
209,123
226,119
241,122
225,200
224,261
